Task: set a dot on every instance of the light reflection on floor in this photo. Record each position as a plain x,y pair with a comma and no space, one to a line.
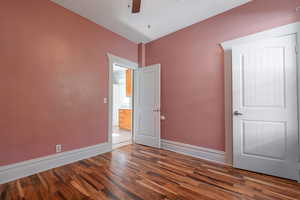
121,136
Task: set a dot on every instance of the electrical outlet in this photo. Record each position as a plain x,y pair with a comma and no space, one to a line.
105,100
58,148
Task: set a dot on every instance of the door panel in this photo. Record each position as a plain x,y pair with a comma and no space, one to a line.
267,89
265,120
147,106
264,139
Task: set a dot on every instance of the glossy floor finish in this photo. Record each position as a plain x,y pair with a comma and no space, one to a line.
138,172
120,135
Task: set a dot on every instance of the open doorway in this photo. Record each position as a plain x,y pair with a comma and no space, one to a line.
122,106
121,101
135,116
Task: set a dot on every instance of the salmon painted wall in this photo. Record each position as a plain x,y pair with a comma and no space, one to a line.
53,78
193,69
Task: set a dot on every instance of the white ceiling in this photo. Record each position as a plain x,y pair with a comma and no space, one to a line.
164,16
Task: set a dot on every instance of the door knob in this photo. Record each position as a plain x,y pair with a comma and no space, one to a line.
237,113
156,110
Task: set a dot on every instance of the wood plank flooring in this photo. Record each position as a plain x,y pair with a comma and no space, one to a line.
143,173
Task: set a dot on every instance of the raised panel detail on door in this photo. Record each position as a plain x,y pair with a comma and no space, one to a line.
267,89
264,139
146,84
146,124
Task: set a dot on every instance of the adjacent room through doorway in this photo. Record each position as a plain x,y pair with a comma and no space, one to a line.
122,106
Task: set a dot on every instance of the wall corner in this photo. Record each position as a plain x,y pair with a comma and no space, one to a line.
142,55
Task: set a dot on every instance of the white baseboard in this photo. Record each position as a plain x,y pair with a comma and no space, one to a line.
19,170
194,151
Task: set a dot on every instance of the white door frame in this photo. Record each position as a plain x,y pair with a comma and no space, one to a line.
289,29
112,59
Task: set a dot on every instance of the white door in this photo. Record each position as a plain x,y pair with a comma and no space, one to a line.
265,122
147,106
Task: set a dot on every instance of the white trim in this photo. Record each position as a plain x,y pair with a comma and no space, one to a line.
275,32
112,59
27,168
194,151
289,29
122,61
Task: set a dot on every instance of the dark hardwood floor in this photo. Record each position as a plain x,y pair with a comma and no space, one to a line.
138,172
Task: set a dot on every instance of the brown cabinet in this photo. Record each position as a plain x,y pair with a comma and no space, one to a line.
125,119
129,83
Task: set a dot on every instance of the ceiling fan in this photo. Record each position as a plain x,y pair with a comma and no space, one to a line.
136,6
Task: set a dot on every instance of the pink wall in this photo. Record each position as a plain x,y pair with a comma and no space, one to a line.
53,78
193,69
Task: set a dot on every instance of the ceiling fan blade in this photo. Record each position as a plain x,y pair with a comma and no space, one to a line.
136,6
